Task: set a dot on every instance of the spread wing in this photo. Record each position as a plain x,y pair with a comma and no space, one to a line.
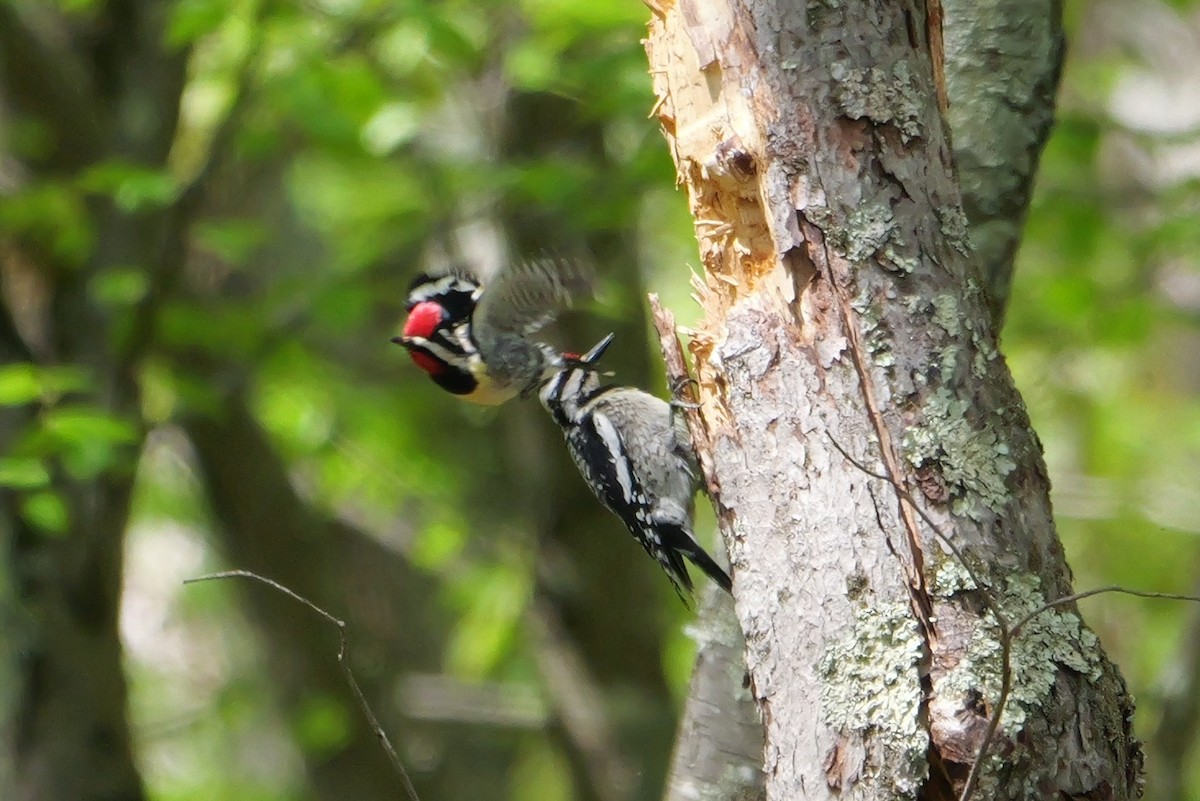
527,295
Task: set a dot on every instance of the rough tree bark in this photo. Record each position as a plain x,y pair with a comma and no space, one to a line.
844,311
1003,62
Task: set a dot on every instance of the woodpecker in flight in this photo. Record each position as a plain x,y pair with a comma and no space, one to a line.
474,340
636,455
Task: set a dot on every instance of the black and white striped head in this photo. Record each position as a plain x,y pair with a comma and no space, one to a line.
572,383
437,334
456,294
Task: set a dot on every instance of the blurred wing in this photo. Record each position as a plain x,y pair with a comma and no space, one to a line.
528,295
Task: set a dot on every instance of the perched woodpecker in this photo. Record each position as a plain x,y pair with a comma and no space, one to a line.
474,341
636,455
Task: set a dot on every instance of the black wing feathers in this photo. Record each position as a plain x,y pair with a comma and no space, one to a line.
601,452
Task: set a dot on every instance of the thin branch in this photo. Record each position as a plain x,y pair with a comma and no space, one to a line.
343,663
914,568
988,600
992,605
1114,588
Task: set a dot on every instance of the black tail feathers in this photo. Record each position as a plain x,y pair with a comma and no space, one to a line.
705,562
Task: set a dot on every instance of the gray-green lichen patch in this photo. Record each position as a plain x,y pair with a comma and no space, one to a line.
1053,640
955,228
876,338
945,313
985,354
948,359
881,97
974,462
897,257
871,686
867,230
951,576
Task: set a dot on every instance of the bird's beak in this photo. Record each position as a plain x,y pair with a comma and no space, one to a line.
593,355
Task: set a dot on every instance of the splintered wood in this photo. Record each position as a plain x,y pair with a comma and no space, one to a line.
682,385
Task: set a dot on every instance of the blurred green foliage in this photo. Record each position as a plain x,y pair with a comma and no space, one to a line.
363,134
1103,335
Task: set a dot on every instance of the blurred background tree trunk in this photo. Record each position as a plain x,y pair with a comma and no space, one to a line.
115,99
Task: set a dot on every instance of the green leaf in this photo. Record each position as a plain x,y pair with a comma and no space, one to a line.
53,215
119,287
233,240
322,726
76,6
90,440
23,382
458,38
193,19
393,125
81,423
19,384
437,546
496,598
63,378
132,187
230,332
47,511
23,473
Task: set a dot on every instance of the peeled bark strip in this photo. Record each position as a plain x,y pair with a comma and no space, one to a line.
843,310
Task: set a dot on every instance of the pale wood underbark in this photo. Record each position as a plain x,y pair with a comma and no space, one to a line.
843,309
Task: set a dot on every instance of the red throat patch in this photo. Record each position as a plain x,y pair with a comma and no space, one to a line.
426,362
424,319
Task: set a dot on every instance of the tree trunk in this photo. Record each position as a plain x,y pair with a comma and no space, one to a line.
844,312
115,100
1003,62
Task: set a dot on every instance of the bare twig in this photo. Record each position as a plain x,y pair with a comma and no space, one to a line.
914,566
992,606
1066,599
988,600
343,643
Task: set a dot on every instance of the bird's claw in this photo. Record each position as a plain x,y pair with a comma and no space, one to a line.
677,397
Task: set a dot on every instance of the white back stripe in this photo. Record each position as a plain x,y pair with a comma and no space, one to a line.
612,444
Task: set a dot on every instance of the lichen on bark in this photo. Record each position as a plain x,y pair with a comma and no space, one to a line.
871,687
